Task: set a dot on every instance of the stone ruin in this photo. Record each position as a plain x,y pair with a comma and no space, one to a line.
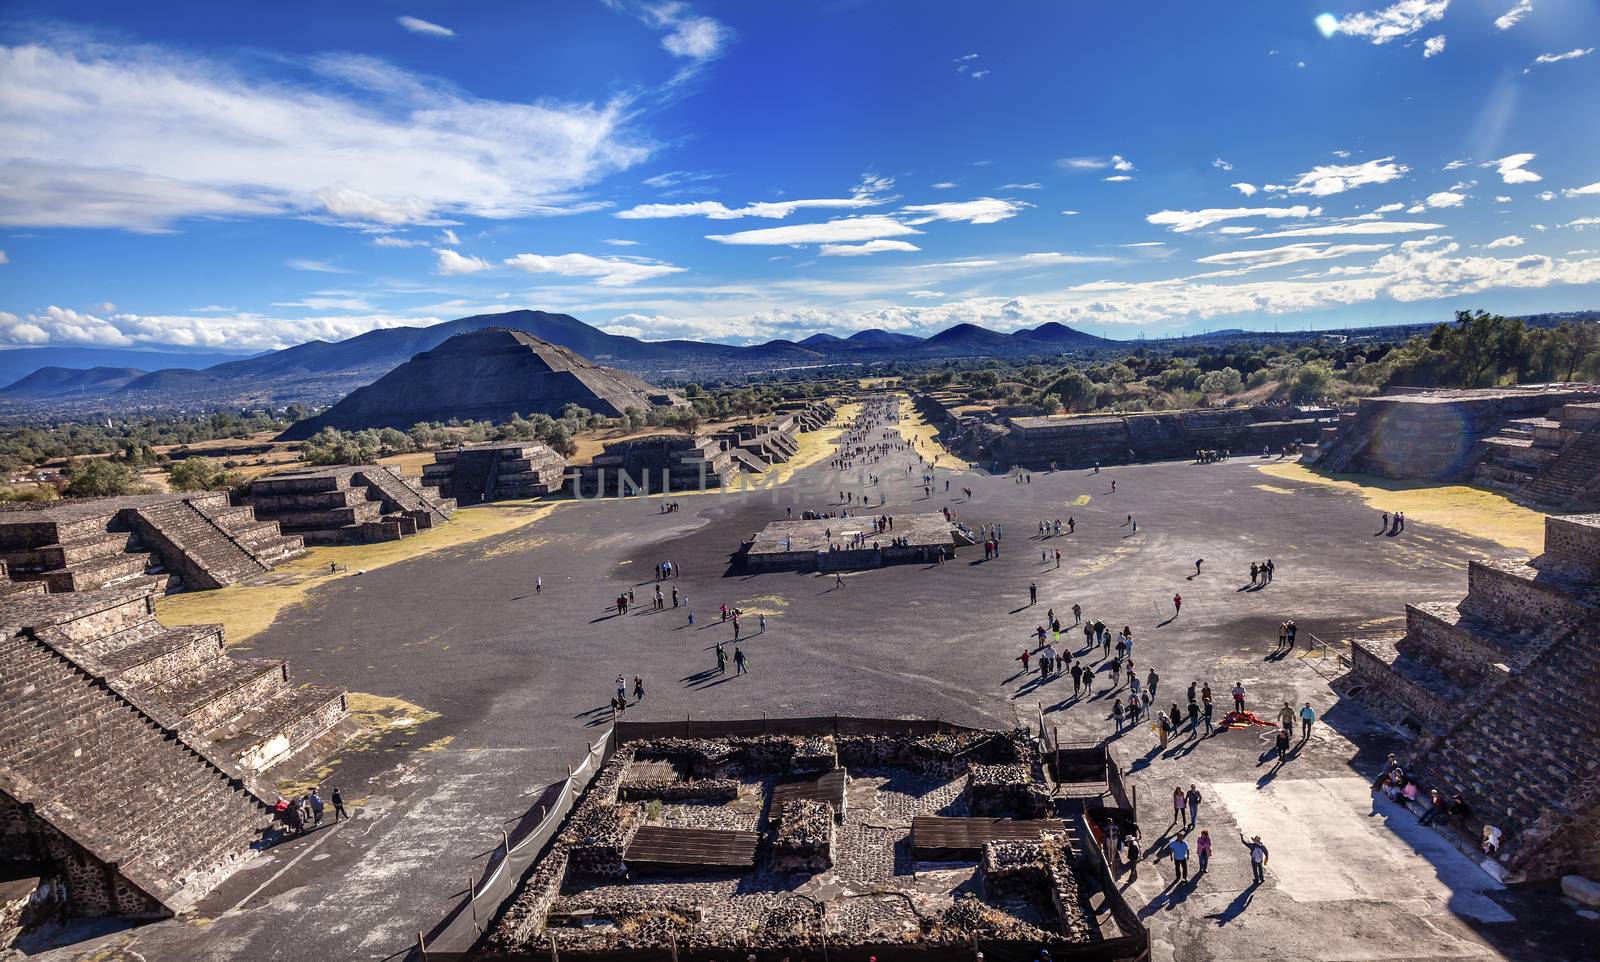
1079,441
756,843
1444,435
490,374
824,544
162,542
130,751
348,504
658,463
495,472
1499,691
758,445
1551,461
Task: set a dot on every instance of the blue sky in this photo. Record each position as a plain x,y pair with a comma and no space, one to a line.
197,175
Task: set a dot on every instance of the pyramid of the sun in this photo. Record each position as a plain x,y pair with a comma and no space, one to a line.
486,375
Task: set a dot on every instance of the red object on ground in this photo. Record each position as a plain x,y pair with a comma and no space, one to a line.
1244,719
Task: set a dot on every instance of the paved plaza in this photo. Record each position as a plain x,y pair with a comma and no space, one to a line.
521,681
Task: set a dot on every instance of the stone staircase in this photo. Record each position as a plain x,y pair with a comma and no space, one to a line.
1353,436
139,819
407,497
1506,682
495,472
1571,480
347,504
158,542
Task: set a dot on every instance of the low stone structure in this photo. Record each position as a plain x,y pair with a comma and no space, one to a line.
129,750
348,504
844,544
1551,461
495,472
1499,690
660,463
579,897
161,541
1436,434
1078,441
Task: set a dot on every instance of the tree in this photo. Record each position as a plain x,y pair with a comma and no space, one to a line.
1074,389
199,474
99,478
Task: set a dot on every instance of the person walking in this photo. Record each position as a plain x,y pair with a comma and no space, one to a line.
1286,718
1180,858
338,805
638,688
1177,806
1077,614
1238,696
315,801
1151,680
1116,714
1258,857
1132,857
838,579
741,664
722,659
622,689
1177,604
761,624
1205,715
1077,678
1202,848
1033,593
1192,798
1307,717
1197,563
1163,728
538,585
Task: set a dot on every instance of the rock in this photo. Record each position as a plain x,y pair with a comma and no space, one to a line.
1582,889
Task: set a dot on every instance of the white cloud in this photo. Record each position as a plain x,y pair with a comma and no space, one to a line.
452,262
1581,223
1389,208
946,185
1341,153
1514,16
1114,162
1455,165
926,294
676,178
1510,169
1397,20
1145,244
983,210
1355,227
1416,208
1501,199
1510,240
448,236
390,240
1117,179
1249,190
620,242
139,137
1254,260
1583,191
1572,54
969,56
1034,186
607,271
417,25
716,210
3,258
1338,178
1052,257
689,35
842,231
870,247
1446,198
1071,213
1234,231
319,267
979,74
1546,195
1221,164
1184,221
232,331
970,264
1433,46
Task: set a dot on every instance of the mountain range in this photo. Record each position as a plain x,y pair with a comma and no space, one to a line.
320,371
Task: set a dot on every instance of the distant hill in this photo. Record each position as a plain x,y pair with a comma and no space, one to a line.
873,337
1062,336
59,382
968,340
19,362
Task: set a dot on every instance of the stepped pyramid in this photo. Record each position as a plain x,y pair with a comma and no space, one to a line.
159,541
1500,690
348,504
128,750
488,375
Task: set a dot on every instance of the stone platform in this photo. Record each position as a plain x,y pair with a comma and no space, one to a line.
348,504
825,545
129,750
494,472
159,541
